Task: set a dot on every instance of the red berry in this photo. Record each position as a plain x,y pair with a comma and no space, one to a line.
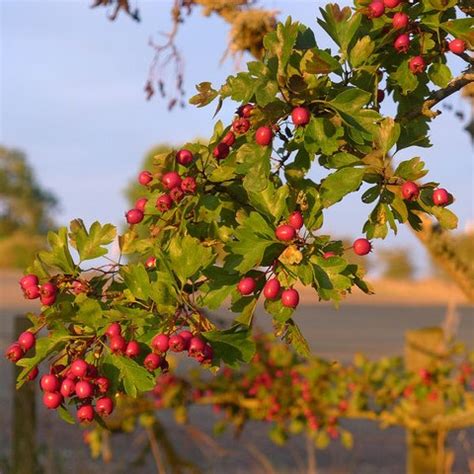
79,368
300,116
206,356
52,400
245,110
457,46
145,178
85,414
221,151
68,388
49,383
184,157
133,349
285,233
32,292
14,352
48,300
164,203
417,65
176,194
328,254
380,95
410,191
78,287
102,384
361,246
26,340
186,336
188,185
48,289
271,289
114,329
196,346
117,344
290,298
263,136
152,361
29,280
229,138
246,286
177,343
84,389
92,372
296,220
150,263
240,125
376,9
160,343
140,204
134,216
440,197
402,43
400,20
391,3
34,373
104,406
171,180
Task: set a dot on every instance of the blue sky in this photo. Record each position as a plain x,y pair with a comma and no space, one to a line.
72,98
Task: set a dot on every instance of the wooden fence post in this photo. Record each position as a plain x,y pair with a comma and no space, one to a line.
426,449
24,418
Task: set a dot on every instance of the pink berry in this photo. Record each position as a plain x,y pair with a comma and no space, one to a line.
78,287
29,280
171,180
134,216
176,343
221,151
285,233
229,138
296,220
271,289
32,292
184,157
49,383
47,300
160,343
196,346
440,197
290,298
327,255
300,116
400,21
85,414
361,246
186,336
14,352
376,9
240,125
33,374
117,344
114,329
263,136
189,185
52,400
150,263
246,286
102,384
417,65
164,203
245,110
402,43
48,289
140,204
410,191
391,3
26,340
104,406
84,389
68,388
79,368
145,178
133,349
152,361
457,46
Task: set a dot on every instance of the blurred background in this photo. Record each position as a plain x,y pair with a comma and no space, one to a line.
76,128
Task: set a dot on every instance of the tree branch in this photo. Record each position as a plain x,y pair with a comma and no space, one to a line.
437,96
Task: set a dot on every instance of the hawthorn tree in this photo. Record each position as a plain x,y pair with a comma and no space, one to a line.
238,219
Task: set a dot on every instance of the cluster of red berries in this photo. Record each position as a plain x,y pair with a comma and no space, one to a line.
81,383
173,183
118,344
32,289
183,341
411,192
18,349
401,21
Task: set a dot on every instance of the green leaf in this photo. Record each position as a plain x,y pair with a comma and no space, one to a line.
317,61
137,280
254,162
188,256
206,94
220,285
65,415
90,244
58,256
340,183
446,218
270,201
89,312
462,28
164,295
233,346
387,134
411,170
322,136
440,74
278,311
362,51
404,78
135,378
